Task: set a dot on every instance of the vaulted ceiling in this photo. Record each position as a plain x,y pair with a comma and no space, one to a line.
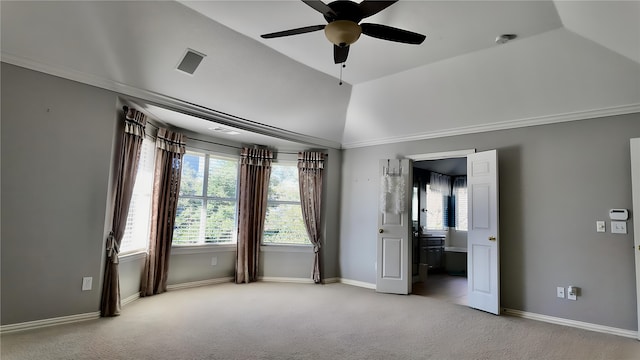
571,60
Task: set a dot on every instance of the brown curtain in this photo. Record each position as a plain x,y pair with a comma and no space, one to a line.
310,172
255,170
127,168
170,148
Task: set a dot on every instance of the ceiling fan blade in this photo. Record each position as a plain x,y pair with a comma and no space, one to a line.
392,34
372,7
297,31
340,53
321,7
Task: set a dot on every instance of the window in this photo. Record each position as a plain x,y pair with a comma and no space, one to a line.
284,224
136,233
435,206
460,202
207,203
438,192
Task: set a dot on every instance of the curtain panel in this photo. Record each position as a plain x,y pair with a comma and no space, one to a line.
255,170
170,147
310,175
127,168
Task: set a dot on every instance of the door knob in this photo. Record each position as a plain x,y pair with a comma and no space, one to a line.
492,238
380,231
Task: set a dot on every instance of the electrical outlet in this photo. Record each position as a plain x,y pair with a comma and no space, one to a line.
600,226
87,282
560,292
214,261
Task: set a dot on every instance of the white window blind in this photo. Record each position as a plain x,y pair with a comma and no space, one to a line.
460,196
207,203
136,234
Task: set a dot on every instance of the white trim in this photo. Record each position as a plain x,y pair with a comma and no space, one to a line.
193,284
37,324
130,299
202,249
132,256
168,102
502,125
361,284
287,248
285,280
572,323
442,155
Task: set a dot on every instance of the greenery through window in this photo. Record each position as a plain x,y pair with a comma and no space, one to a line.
207,203
284,223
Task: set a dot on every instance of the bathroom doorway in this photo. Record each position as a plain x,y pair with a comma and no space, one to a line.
439,221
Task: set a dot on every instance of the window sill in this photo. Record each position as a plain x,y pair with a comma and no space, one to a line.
132,256
287,248
202,249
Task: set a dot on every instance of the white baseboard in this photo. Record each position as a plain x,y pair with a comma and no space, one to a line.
286,280
37,324
572,323
130,299
193,284
361,284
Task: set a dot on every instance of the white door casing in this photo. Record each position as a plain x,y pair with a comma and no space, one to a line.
635,189
483,241
393,266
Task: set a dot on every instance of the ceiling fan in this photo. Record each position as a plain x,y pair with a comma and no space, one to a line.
343,26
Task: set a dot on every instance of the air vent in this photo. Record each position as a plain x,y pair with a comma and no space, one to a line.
224,131
190,61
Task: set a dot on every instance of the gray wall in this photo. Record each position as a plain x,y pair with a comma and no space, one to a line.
57,142
57,139
555,182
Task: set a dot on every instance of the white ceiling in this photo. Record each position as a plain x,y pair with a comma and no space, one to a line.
453,28
572,59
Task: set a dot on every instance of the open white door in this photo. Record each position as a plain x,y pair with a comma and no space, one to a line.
483,262
393,267
635,189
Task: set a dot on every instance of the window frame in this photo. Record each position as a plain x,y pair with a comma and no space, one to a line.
291,246
205,198
151,143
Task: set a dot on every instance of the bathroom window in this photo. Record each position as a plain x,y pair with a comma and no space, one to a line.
438,193
460,203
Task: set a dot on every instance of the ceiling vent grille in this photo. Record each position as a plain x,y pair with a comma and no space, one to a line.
190,61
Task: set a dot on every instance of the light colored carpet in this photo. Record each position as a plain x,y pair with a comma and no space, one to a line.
300,321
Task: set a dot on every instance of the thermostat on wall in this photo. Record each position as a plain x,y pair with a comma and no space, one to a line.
618,214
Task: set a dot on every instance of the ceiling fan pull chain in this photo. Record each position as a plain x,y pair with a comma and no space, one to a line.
341,67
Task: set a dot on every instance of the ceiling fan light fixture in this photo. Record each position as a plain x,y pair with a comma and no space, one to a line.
342,32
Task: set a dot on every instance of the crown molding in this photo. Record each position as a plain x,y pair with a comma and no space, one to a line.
501,125
167,102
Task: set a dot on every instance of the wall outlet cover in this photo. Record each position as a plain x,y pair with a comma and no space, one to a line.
87,283
600,226
560,292
618,227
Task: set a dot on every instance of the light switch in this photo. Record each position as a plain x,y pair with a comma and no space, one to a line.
600,226
618,227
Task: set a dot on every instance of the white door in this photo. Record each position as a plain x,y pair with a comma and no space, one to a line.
635,188
393,266
483,262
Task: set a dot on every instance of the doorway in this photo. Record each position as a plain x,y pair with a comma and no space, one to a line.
439,228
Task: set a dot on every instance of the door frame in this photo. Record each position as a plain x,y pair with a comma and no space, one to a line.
635,190
440,156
